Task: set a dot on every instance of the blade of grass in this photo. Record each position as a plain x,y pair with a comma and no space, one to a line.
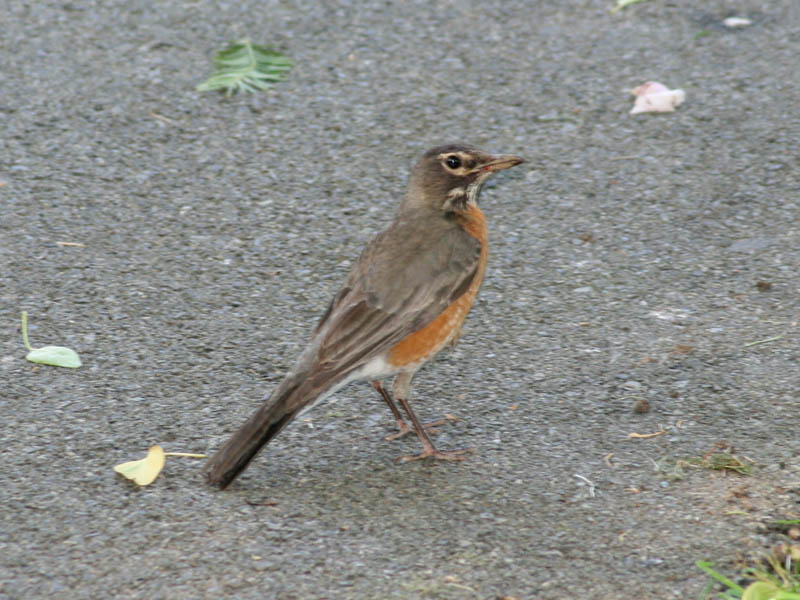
706,568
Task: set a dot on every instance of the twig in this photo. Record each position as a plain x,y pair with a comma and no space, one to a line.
460,586
155,115
644,436
187,454
774,338
589,483
269,502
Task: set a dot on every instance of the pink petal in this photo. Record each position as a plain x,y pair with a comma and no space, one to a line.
656,97
651,87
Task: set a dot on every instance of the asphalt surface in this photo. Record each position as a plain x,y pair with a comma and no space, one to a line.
633,258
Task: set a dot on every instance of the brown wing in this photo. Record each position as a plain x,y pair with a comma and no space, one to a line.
405,278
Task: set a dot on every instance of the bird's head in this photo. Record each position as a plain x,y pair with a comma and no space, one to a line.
448,178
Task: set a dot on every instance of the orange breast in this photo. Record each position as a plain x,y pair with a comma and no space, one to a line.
423,344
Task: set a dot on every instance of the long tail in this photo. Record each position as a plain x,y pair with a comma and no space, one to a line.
289,398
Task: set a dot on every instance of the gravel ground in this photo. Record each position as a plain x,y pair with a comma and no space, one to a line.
633,258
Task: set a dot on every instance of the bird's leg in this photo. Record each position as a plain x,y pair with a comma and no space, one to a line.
402,387
403,428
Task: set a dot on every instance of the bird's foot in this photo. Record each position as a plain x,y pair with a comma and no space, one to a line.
437,454
403,429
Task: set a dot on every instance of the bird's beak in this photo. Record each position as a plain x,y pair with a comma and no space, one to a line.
498,163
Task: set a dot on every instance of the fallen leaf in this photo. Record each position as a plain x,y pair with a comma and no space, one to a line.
144,471
56,356
656,97
246,67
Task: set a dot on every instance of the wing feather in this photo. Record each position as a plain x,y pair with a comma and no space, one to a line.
401,282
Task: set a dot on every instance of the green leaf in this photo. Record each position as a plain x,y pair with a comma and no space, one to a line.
246,67
57,356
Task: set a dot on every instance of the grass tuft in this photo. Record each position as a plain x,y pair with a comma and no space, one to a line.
774,577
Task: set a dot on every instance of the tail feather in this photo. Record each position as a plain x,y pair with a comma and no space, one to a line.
279,410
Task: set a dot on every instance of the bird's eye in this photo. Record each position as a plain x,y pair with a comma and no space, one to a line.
453,162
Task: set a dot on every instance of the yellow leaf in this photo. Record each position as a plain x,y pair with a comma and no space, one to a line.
760,590
144,471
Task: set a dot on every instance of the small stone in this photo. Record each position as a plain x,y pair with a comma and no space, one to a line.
736,22
764,286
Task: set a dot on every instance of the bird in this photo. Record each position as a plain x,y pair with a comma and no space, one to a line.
404,300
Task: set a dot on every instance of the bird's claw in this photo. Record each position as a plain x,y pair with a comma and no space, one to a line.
437,454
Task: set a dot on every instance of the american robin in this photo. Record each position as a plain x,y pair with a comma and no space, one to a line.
405,299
